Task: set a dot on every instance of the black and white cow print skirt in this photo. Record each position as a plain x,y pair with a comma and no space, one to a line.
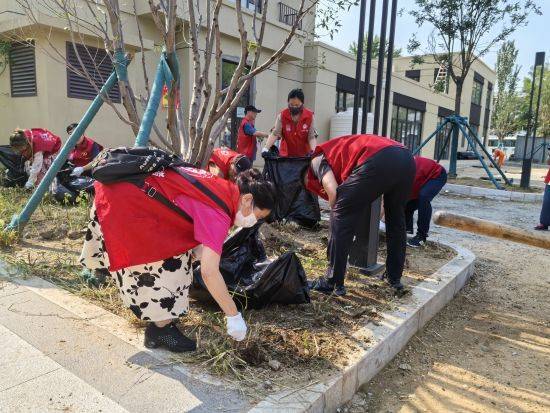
155,291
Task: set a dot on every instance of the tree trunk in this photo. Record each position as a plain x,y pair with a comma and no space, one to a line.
458,95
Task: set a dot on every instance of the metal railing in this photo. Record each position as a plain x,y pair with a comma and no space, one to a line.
288,15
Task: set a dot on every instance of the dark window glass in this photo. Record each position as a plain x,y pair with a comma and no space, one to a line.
406,126
477,91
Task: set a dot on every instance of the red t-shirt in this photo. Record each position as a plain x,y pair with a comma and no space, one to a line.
426,169
547,179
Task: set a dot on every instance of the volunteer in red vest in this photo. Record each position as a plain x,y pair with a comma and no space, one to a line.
246,139
39,148
351,172
429,179
83,153
227,164
294,127
545,210
148,245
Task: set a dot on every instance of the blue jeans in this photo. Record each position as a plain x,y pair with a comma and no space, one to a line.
424,205
545,211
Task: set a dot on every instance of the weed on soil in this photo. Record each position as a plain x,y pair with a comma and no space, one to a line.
287,346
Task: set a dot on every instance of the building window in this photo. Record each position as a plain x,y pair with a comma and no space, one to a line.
441,150
344,100
288,15
406,126
413,74
477,91
22,70
488,99
251,5
97,63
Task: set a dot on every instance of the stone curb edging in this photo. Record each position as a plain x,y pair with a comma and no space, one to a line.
489,193
396,329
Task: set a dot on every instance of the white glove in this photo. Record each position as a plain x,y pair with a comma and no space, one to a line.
264,150
236,327
77,171
29,185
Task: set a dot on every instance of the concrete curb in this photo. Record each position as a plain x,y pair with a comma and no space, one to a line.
489,193
396,329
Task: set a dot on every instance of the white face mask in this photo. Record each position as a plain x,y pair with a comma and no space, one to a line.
245,221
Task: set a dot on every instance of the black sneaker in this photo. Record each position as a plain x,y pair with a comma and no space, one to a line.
340,290
541,227
416,242
169,337
400,290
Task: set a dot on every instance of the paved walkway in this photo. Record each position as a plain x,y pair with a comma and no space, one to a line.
61,354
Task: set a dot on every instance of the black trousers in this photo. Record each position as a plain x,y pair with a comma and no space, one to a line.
390,173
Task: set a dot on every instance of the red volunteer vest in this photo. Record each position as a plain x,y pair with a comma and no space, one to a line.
426,169
42,140
294,140
343,154
246,144
547,179
82,154
222,158
138,229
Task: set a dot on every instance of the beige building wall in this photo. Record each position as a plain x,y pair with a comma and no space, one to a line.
313,66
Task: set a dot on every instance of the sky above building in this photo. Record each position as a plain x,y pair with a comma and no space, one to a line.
529,39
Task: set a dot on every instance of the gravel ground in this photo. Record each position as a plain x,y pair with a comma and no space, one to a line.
489,349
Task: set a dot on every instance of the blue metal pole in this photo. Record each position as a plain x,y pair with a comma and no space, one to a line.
441,126
479,157
163,75
19,221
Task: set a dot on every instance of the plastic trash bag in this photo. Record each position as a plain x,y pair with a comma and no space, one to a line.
294,202
15,174
256,283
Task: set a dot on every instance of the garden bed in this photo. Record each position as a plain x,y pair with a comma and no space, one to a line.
288,346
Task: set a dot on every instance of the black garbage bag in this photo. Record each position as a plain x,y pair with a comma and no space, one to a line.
15,174
294,202
69,187
257,283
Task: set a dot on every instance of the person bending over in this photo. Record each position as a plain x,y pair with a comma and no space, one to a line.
38,147
84,152
429,179
148,246
227,164
351,172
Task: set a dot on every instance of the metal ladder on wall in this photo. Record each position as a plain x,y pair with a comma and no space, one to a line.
442,78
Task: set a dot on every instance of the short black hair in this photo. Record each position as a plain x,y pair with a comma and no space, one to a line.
71,127
263,192
296,93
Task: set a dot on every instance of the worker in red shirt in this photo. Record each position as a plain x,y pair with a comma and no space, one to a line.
351,172
294,127
429,179
83,153
148,246
227,164
246,139
545,210
38,147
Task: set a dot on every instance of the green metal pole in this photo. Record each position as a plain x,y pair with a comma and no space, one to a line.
417,150
18,222
163,75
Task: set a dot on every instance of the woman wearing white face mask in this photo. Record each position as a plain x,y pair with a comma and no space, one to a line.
146,244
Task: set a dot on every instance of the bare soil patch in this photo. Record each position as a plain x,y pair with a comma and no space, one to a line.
288,346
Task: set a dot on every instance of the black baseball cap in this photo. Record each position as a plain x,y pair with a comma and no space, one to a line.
242,164
251,108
